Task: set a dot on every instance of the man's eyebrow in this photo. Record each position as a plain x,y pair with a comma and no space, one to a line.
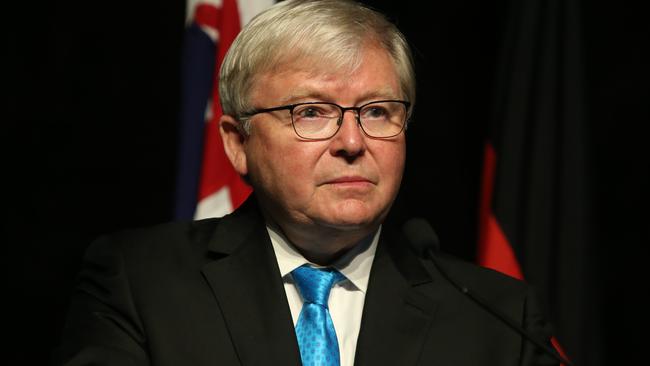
304,95
384,93
315,95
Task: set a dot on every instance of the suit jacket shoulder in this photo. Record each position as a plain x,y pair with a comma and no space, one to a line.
414,315
197,293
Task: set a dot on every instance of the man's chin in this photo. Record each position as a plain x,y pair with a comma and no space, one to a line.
352,220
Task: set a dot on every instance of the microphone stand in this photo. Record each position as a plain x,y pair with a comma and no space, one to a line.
424,239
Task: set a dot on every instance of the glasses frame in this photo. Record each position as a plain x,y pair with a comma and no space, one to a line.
291,107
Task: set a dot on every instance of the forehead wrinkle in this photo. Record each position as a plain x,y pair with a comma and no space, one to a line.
327,85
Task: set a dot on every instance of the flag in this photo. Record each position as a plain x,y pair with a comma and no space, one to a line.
206,184
533,209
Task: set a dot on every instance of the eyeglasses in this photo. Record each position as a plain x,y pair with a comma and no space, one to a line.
321,120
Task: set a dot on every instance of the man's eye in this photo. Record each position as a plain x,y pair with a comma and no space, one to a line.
310,112
375,112
314,111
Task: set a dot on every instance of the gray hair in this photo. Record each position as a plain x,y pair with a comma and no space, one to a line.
327,34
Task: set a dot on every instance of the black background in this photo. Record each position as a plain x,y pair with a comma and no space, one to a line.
89,144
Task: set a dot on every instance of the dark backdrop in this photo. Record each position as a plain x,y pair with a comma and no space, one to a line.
89,144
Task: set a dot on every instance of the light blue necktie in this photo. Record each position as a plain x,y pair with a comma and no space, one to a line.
315,330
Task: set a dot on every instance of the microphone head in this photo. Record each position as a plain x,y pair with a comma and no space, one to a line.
421,235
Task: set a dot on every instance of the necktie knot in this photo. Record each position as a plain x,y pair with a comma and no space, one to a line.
314,284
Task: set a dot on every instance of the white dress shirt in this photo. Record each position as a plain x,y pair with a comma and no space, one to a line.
346,297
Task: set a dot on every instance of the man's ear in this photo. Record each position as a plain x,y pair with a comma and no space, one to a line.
234,143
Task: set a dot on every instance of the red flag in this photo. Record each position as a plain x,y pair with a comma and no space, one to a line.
533,208
494,250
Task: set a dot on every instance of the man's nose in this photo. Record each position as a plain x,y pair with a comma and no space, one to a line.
349,141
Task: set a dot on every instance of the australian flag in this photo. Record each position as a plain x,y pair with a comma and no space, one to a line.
207,185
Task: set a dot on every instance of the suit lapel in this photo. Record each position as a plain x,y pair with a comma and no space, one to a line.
396,316
247,285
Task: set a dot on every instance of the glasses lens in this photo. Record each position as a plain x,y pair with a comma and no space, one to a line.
316,120
383,119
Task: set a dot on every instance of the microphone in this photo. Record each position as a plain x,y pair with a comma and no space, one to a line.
426,243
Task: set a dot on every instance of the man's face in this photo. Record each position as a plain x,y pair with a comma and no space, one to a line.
347,182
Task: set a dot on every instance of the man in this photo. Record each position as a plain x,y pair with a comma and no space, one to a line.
316,96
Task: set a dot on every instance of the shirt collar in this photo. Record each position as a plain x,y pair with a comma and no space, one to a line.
354,265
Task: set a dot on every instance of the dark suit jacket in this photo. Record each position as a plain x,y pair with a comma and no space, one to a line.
209,293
